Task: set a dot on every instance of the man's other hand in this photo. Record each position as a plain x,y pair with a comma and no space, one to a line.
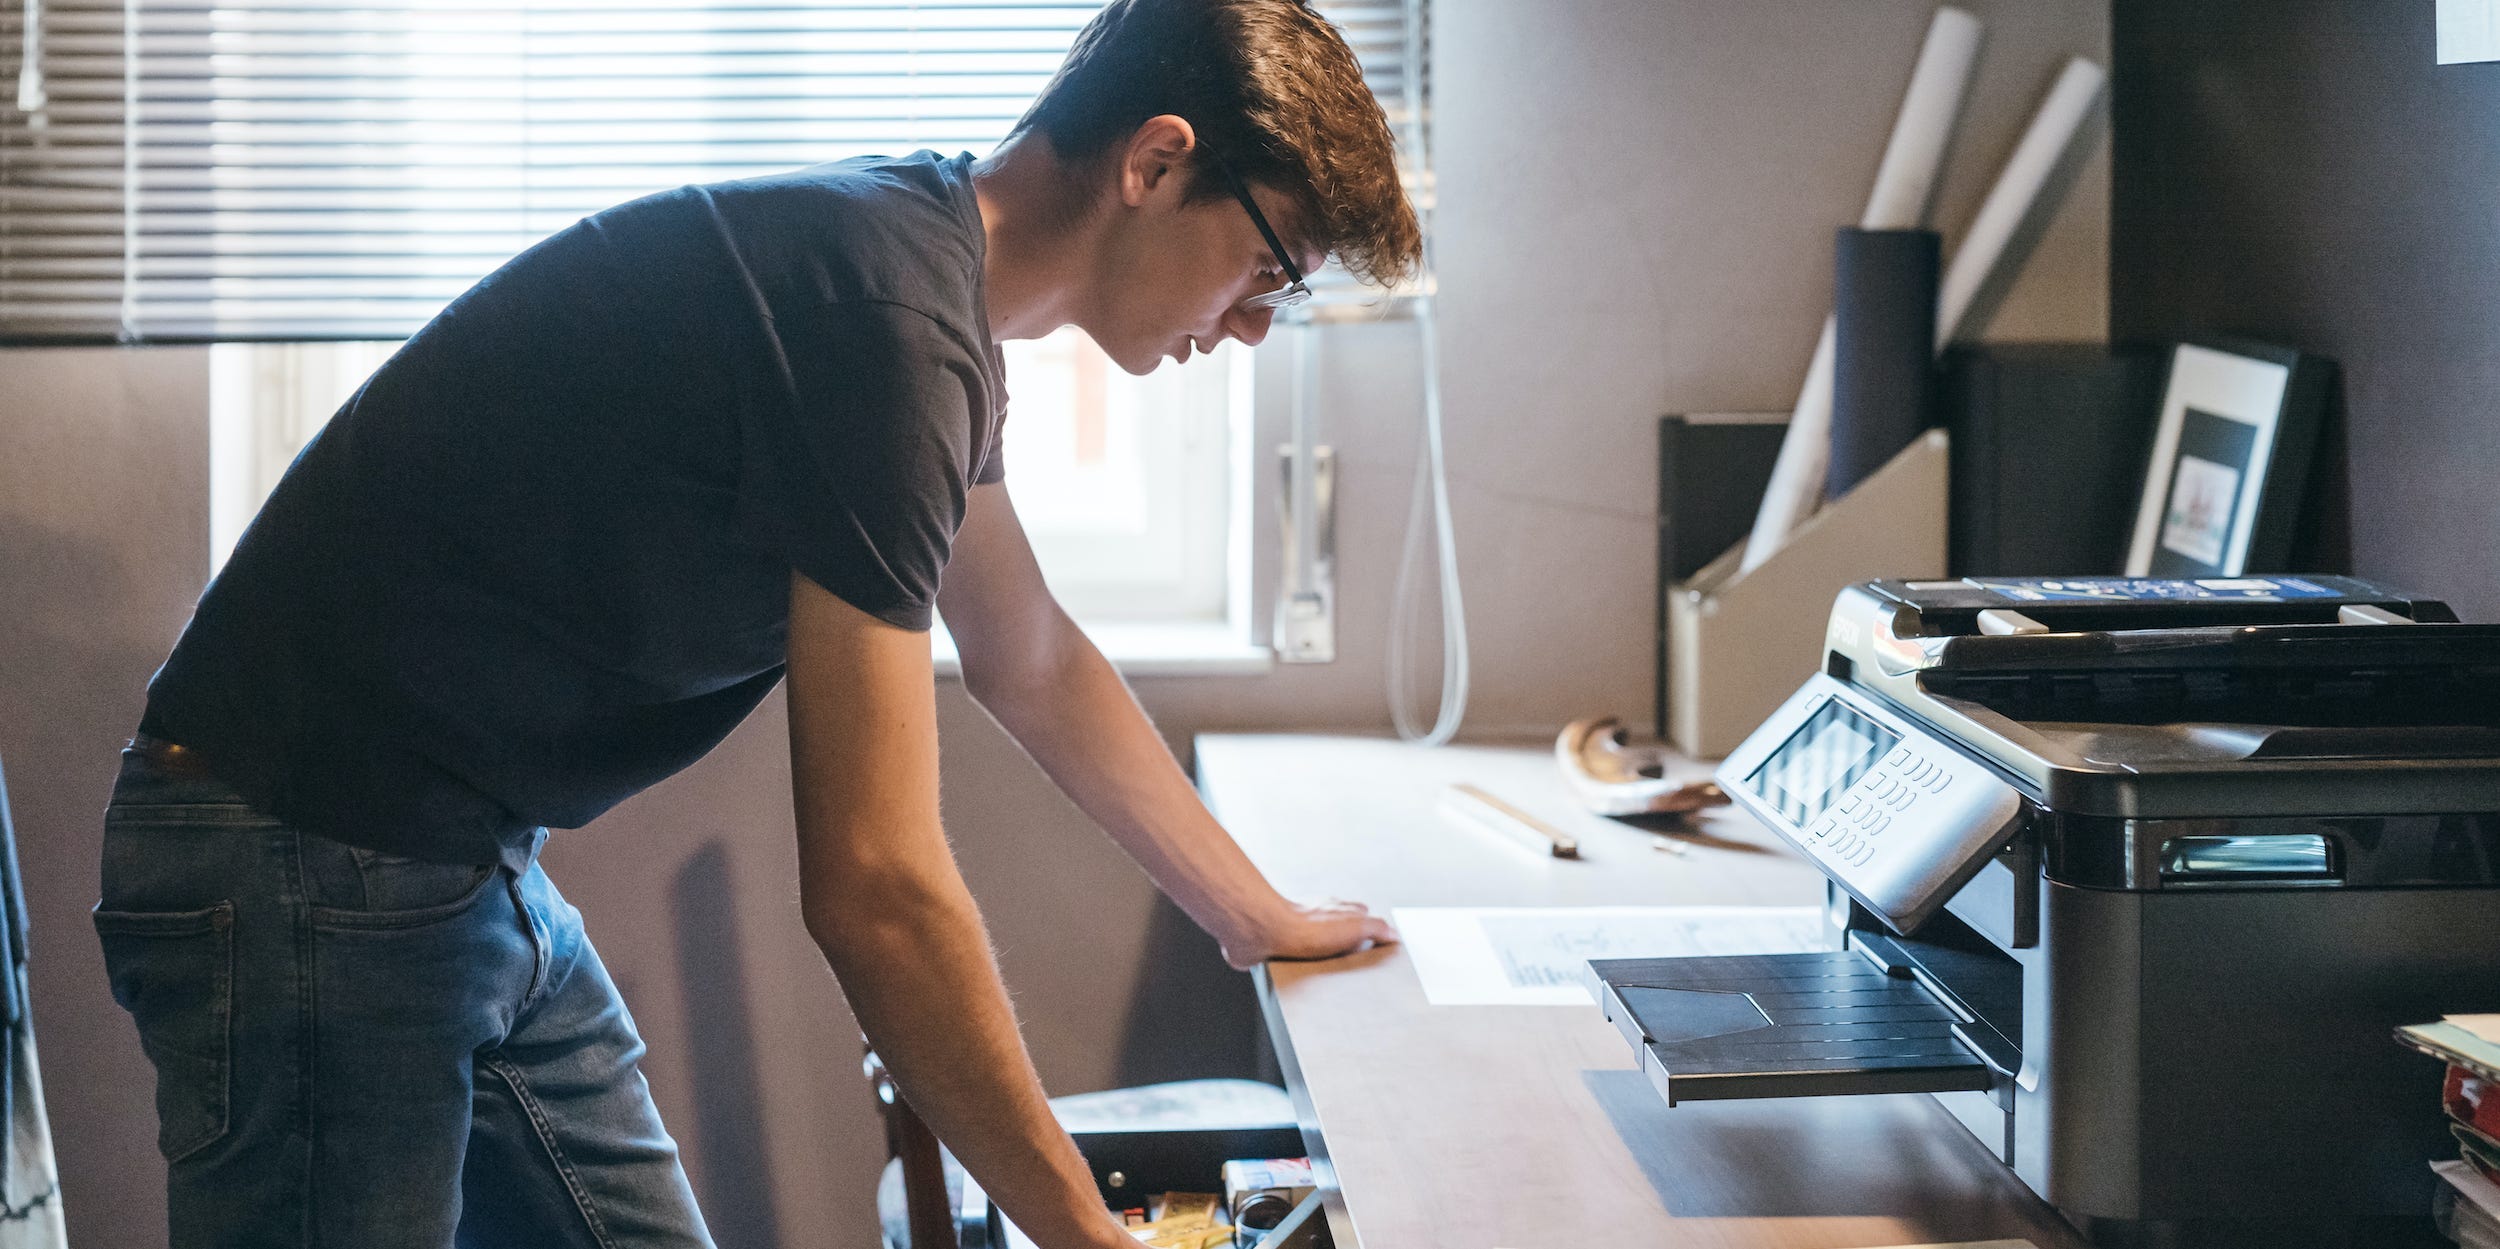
1319,930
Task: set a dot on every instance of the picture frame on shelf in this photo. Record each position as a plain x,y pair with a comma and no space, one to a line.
2232,447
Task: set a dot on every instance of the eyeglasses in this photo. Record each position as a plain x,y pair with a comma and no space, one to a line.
1294,292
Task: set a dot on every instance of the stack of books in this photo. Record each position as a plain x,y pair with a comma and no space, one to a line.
2468,1203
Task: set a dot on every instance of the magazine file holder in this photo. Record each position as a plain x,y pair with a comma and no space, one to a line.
1739,642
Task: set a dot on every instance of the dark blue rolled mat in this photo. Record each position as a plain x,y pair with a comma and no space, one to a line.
1884,348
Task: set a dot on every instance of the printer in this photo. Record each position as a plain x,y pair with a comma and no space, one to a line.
2137,877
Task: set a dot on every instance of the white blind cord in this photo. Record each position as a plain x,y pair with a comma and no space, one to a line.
30,94
1432,488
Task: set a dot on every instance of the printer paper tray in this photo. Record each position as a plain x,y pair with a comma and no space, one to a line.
1783,1025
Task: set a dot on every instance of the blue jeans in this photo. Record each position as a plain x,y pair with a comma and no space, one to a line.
358,1050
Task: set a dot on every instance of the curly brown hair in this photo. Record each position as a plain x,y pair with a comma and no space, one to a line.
1271,86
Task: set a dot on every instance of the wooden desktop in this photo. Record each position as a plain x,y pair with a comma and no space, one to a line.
1531,1127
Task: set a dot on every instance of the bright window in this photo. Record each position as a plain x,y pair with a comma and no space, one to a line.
1123,483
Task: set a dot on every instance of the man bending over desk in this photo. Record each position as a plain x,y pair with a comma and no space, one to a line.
571,534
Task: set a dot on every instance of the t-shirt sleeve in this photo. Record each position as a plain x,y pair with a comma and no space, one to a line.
856,460
994,466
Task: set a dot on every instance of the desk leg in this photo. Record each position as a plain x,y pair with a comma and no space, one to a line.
1331,1200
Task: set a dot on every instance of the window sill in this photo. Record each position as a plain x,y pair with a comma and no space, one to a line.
1150,649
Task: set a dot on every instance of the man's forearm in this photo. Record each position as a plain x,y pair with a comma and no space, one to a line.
1034,670
1077,718
915,963
882,897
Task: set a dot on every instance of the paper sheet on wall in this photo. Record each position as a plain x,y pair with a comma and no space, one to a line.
2465,30
1533,956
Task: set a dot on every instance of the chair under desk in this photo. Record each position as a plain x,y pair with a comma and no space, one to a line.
1530,1127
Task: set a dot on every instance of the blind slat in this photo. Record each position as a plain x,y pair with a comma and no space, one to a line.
309,168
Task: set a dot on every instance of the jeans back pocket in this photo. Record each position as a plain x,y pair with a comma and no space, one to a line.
174,973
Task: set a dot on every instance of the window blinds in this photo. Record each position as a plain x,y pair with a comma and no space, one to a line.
190,170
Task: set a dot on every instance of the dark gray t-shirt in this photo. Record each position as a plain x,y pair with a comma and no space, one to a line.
541,559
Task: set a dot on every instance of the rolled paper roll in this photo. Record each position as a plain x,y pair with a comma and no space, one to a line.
1796,486
2017,192
1904,182
1924,128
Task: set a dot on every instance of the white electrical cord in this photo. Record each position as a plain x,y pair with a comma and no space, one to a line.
1432,485
1432,477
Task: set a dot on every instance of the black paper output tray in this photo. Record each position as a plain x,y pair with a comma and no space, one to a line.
1783,1025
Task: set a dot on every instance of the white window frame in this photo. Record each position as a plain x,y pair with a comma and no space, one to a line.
1175,566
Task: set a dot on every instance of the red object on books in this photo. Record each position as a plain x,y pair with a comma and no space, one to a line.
2472,1100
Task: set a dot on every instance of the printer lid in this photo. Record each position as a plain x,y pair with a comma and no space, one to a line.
1996,608
2085,604
2139,697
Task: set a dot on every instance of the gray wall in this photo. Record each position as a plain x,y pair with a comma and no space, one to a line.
103,545
1637,205
2305,173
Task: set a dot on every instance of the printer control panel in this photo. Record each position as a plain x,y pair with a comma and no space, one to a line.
1896,817
1852,828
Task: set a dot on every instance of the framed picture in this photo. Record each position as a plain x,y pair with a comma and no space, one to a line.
2230,463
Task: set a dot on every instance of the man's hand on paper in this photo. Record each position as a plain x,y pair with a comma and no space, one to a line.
1324,929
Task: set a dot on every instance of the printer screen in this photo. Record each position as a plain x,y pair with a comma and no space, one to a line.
1818,763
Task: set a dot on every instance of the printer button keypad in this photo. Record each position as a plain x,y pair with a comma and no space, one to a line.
1893,786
